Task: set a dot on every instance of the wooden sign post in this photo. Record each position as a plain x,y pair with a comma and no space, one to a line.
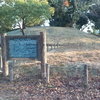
24,47
43,54
4,55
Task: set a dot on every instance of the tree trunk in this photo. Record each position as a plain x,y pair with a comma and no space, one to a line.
75,5
23,33
23,27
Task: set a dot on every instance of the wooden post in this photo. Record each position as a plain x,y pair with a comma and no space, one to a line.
57,45
10,70
47,47
47,72
1,61
86,75
4,55
54,46
51,46
43,54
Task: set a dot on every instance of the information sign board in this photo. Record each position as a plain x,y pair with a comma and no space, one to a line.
22,47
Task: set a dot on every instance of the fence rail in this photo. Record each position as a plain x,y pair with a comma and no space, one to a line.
53,46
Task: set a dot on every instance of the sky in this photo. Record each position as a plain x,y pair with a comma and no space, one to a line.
46,23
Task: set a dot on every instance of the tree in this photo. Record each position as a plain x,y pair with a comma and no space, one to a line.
80,8
6,19
67,12
94,14
27,12
62,15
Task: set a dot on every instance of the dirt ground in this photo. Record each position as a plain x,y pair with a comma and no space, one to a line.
31,87
75,53
59,88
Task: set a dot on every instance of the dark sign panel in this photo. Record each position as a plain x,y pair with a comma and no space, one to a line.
22,47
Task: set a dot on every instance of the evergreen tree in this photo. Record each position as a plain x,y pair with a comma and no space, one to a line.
67,12
62,15
94,15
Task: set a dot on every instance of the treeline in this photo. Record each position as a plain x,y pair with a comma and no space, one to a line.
23,13
64,13
74,13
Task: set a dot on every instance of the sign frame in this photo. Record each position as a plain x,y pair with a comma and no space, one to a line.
33,37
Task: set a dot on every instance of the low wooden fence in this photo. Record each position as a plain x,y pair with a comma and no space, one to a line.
54,46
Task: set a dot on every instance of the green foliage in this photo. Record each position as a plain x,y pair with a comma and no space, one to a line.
67,15
94,15
62,16
25,13
6,19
